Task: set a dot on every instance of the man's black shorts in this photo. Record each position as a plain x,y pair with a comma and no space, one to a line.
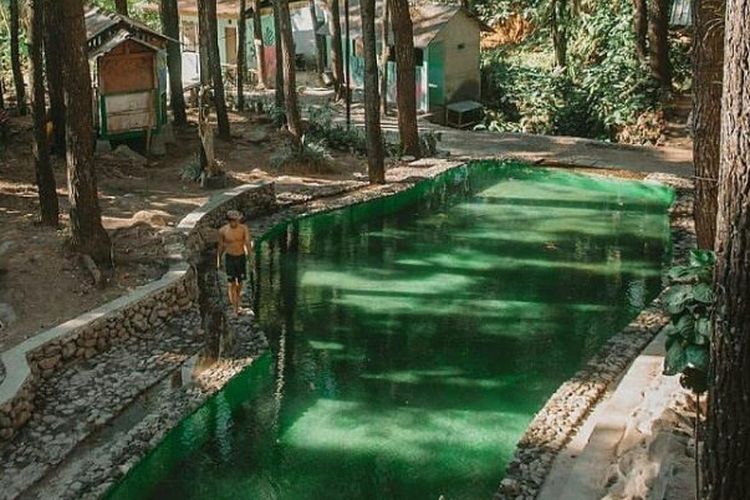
236,267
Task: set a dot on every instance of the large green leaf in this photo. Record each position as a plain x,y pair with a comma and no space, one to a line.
675,361
700,258
677,297
702,331
696,357
703,293
684,326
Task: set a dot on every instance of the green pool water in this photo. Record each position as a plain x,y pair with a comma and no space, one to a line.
413,338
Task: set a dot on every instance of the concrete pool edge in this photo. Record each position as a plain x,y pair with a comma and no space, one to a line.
567,409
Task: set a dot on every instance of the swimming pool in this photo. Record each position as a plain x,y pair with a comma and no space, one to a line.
414,337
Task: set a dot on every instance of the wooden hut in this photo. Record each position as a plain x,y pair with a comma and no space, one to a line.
129,75
446,43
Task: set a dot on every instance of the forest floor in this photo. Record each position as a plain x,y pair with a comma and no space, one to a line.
42,283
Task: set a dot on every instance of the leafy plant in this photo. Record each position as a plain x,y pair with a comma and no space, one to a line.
191,171
313,154
689,301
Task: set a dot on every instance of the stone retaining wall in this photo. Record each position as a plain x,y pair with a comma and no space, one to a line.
554,425
134,315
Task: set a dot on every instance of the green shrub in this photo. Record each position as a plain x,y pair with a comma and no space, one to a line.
603,89
690,301
313,154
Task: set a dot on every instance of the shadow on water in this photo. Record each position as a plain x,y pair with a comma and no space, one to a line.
413,338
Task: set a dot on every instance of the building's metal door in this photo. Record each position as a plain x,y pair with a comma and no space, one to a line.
436,75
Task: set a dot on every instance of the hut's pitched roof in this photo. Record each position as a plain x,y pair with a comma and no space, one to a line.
427,19
98,21
107,30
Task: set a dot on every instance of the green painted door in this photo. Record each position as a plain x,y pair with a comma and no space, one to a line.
436,74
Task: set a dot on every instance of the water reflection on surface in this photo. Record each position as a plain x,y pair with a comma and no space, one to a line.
413,338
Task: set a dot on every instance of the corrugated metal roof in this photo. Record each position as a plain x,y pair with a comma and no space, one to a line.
682,13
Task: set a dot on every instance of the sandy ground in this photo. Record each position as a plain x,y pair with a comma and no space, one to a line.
45,284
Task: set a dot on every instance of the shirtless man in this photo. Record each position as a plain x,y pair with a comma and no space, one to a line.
234,240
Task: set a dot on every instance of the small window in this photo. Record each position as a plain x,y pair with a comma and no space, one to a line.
461,46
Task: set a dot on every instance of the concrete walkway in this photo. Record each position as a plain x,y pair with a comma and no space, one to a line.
543,149
624,450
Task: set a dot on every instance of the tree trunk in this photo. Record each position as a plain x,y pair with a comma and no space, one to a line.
559,20
204,44
15,58
384,60
53,41
658,38
260,57
45,177
708,59
207,10
293,120
375,160
728,439
121,6
170,25
279,54
241,55
337,57
640,28
406,93
319,66
87,234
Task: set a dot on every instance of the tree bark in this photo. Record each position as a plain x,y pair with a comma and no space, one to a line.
708,60
15,58
640,28
87,233
204,44
559,19
53,43
260,56
318,49
406,93
241,54
121,7
337,53
279,54
375,160
293,120
658,38
170,25
385,25
728,438
45,177
207,10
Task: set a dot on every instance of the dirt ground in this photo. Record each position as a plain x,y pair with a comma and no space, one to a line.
43,284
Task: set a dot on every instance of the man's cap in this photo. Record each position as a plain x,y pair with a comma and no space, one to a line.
234,214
